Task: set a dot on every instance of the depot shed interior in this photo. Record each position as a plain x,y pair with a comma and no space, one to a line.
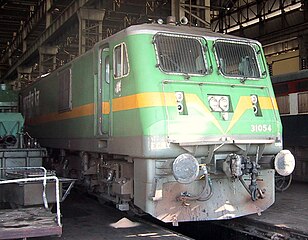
39,36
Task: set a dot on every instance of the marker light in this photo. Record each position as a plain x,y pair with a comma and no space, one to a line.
284,163
255,105
179,96
185,168
254,99
180,107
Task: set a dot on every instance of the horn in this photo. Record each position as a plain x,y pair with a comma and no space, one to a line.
183,20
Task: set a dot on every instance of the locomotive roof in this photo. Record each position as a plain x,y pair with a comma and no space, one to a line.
163,28
182,29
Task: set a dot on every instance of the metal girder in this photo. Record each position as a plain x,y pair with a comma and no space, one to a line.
292,31
90,27
280,25
25,30
123,13
245,14
303,51
197,12
24,75
47,59
69,12
60,27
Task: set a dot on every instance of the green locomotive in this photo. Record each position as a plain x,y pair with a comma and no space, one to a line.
178,121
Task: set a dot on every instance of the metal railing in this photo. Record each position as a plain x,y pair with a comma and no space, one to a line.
44,179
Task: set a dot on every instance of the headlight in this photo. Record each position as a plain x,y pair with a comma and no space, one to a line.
185,168
224,103
219,103
284,163
214,105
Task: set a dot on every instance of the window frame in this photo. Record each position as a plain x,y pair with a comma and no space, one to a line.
204,53
65,106
107,69
246,43
122,61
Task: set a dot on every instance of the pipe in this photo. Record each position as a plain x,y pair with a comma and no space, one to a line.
198,197
85,161
21,140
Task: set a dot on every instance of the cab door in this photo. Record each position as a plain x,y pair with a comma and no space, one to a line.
103,93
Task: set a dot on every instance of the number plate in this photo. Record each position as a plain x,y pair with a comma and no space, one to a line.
261,128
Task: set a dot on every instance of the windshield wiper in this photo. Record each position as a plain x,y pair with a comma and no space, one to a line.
243,80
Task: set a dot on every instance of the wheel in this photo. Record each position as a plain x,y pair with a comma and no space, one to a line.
282,183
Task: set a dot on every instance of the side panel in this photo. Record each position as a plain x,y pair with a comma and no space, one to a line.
48,119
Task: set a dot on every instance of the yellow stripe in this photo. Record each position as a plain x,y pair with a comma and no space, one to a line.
143,100
105,107
244,104
84,110
81,111
156,99
194,99
267,103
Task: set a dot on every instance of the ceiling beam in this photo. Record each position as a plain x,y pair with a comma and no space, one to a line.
68,13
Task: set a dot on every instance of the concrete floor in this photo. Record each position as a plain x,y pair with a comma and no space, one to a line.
287,218
85,219
290,209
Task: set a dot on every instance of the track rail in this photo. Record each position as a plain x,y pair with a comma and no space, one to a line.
263,230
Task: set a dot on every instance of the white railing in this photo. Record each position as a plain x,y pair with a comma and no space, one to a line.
44,179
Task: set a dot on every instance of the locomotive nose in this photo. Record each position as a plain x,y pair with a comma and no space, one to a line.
284,163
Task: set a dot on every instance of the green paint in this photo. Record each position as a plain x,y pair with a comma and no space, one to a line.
145,76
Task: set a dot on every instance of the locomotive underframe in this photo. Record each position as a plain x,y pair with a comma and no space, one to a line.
148,182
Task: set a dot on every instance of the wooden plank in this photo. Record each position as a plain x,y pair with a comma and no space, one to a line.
28,222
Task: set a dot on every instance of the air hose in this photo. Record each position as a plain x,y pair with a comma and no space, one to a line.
199,197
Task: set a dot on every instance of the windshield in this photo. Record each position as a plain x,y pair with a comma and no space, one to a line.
237,59
180,54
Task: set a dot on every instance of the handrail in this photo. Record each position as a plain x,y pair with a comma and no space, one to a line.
44,182
166,81
34,179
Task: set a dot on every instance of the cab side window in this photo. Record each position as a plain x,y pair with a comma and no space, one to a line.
121,66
